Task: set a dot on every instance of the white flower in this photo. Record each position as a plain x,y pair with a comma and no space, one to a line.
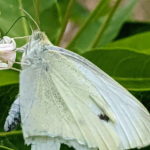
7,53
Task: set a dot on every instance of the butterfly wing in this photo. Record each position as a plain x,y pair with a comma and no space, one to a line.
59,103
101,94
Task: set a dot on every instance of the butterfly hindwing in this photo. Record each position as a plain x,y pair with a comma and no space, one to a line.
132,120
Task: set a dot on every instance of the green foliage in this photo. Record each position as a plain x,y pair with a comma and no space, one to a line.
87,35
126,60
14,141
127,29
120,64
139,42
8,77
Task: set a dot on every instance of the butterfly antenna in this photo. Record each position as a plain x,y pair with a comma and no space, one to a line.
14,24
31,19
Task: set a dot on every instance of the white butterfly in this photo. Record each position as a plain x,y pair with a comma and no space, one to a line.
64,98
7,53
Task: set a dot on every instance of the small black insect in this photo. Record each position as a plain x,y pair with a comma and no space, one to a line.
103,117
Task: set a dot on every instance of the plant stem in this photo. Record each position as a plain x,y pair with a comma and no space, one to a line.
24,21
4,147
1,33
105,25
91,16
36,4
2,134
65,21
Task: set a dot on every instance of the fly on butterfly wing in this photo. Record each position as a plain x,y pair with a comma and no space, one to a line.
104,117
64,98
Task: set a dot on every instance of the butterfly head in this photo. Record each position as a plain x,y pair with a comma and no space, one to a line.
34,49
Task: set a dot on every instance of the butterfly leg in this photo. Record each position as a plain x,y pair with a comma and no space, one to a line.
13,118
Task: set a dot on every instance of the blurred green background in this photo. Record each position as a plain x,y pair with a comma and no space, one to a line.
113,34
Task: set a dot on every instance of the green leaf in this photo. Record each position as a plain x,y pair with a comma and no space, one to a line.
55,17
89,27
65,147
12,9
139,42
144,97
86,36
145,148
14,141
132,28
79,14
129,68
50,22
7,96
52,19
8,77
64,20
9,13
6,148
45,14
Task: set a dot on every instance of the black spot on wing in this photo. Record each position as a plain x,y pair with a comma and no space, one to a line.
103,117
46,68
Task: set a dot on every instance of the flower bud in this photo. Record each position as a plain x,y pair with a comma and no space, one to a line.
7,53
